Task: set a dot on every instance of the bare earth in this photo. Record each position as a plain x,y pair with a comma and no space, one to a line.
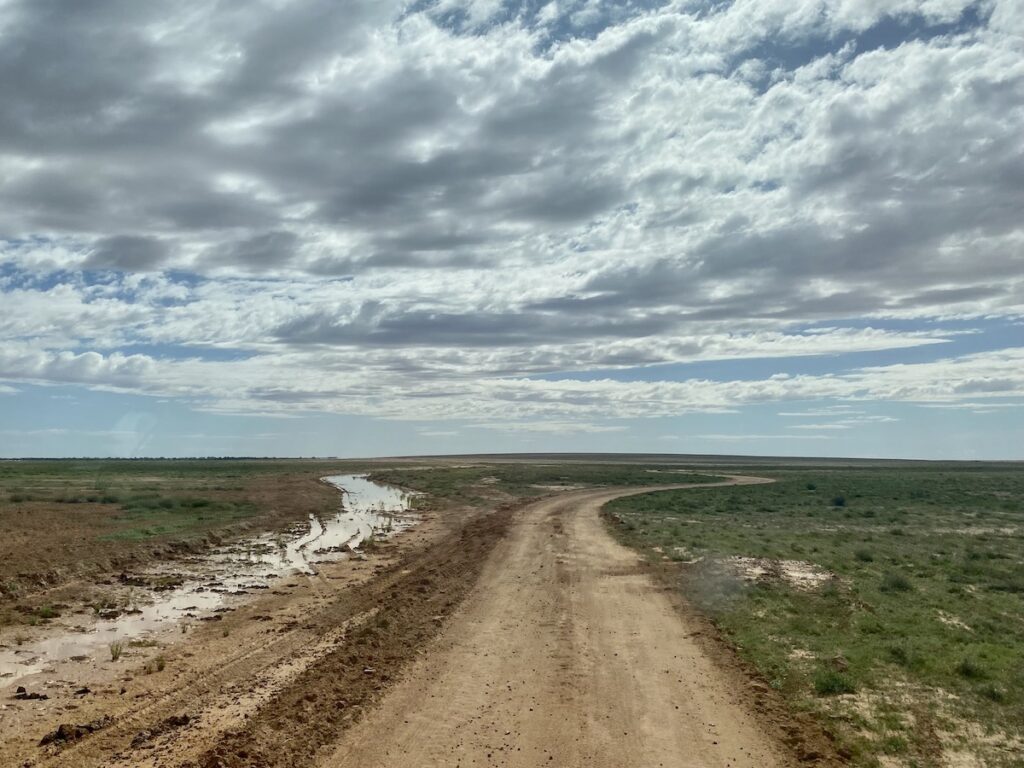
523,637
566,654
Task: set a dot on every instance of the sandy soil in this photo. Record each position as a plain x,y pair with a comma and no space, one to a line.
224,674
566,654
525,636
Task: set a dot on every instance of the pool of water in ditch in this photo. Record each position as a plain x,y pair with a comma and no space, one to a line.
199,587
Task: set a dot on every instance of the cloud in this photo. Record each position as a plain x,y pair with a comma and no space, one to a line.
551,427
742,438
830,411
399,209
60,431
821,426
126,253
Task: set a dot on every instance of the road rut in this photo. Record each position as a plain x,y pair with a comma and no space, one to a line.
566,653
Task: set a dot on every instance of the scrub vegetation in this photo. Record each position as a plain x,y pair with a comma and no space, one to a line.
68,518
478,482
64,519
888,601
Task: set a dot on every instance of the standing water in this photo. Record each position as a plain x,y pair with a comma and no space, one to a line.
202,586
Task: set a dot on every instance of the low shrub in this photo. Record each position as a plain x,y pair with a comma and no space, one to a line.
969,668
895,582
830,682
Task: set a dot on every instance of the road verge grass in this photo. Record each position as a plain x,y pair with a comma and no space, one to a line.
896,616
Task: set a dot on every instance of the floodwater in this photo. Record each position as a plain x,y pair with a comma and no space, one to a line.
199,587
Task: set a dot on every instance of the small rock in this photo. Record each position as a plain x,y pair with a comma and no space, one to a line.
66,732
23,695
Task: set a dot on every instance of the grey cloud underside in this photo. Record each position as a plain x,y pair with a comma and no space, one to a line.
512,192
479,329
126,253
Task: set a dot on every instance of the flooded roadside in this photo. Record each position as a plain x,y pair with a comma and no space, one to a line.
200,588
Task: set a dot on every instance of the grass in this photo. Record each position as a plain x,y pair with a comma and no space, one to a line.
926,607
475,484
149,516
151,498
47,611
116,649
65,518
829,682
895,582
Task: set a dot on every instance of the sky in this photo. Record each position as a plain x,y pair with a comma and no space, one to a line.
379,227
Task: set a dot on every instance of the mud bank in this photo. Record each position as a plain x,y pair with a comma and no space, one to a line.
142,606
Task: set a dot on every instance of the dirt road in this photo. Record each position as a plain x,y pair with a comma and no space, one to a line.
519,637
565,654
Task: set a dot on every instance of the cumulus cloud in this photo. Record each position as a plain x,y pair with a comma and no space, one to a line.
403,209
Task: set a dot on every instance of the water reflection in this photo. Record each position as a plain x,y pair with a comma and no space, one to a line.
196,588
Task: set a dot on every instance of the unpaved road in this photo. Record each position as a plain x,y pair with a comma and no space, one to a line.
565,654
524,637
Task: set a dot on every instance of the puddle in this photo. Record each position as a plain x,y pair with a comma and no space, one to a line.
198,588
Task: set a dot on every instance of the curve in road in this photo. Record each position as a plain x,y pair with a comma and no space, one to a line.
566,653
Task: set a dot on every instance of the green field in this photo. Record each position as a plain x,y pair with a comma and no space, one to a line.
475,484
888,601
63,519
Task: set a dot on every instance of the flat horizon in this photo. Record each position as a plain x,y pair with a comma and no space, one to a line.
319,228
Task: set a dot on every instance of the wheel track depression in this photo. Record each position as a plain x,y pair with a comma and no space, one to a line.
566,653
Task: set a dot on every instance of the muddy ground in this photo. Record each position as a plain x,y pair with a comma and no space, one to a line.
260,667
59,531
513,634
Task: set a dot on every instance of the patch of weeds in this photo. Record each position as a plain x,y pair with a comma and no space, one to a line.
47,612
895,582
993,693
899,654
970,669
116,649
893,744
10,588
831,682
